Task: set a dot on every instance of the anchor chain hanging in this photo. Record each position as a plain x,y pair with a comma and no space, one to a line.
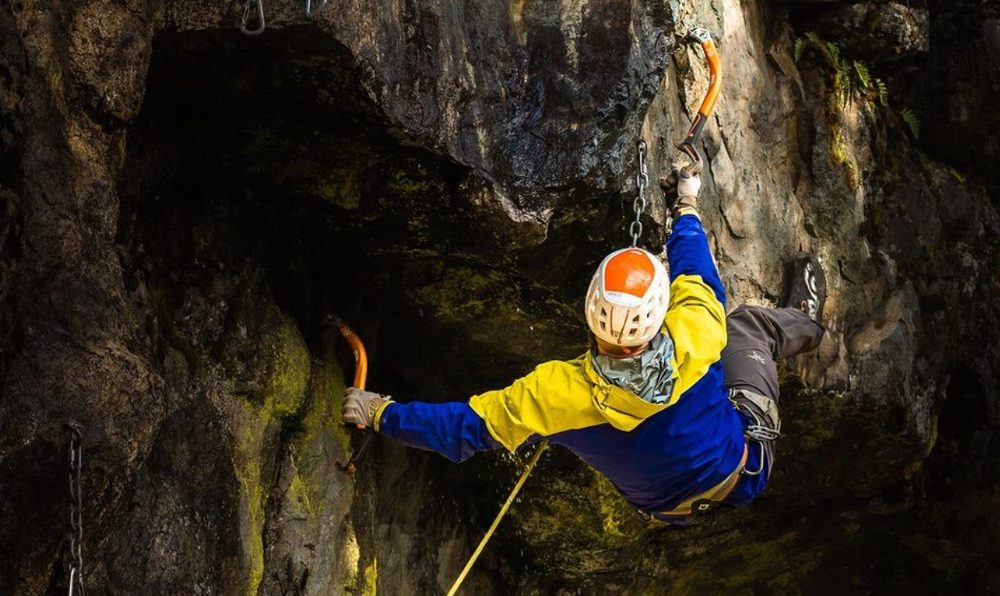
75,508
639,204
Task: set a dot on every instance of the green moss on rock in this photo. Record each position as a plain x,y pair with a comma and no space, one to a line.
285,390
340,188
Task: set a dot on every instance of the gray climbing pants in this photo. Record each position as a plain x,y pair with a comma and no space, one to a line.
757,338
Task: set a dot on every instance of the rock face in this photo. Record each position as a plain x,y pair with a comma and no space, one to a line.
182,207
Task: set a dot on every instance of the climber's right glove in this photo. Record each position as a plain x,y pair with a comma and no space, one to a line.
682,186
363,407
688,187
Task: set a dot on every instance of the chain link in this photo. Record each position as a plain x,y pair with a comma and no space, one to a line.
75,509
639,204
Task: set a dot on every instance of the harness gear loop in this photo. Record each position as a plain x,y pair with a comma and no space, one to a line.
639,204
360,378
765,427
310,10
496,522
261,25
687,145
75,431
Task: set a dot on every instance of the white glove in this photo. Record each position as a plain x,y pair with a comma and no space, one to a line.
688,184
360,406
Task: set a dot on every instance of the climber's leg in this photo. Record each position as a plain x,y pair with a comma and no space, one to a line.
757,338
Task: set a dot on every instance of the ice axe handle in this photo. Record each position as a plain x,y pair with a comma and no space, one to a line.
360,378
703,37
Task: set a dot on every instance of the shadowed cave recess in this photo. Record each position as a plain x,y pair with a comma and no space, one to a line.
260,176
262,186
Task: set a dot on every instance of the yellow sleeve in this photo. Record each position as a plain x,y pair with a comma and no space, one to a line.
552,398
696,322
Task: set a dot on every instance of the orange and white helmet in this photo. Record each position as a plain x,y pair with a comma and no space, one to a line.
628,297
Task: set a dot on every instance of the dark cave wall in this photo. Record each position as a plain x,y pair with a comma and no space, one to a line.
182,207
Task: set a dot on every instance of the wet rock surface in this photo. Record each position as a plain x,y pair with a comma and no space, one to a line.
881,31
181,208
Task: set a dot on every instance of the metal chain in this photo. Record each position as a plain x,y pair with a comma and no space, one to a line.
639,204
75,508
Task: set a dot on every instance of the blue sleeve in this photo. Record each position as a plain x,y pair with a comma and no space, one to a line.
452,429
688,254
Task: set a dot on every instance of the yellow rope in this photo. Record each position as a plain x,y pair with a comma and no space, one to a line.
496,522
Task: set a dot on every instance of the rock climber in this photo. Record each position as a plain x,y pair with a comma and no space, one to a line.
677,417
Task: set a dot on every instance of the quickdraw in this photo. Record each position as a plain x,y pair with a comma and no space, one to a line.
360,378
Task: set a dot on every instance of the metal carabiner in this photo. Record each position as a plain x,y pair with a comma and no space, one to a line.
247,7
309,8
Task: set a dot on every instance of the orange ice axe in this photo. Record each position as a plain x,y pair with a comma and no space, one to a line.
687,146
703,37
360,377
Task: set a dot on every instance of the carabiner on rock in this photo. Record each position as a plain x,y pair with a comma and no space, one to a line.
310,10
247,7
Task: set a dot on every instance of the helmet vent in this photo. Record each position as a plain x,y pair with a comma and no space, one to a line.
628,297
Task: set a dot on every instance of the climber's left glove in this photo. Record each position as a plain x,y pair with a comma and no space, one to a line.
363,407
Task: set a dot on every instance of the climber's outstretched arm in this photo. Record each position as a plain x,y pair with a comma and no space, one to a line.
552,398
452,429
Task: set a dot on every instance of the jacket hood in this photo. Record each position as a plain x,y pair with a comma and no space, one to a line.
622,409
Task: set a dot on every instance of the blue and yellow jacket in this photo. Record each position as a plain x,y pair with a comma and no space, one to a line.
657,455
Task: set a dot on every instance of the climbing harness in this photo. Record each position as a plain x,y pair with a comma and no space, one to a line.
496,522
360,377
261,24
75,432
687,146
310,10
765,426
639,204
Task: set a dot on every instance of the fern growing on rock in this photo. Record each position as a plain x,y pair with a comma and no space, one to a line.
912,122
852,78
